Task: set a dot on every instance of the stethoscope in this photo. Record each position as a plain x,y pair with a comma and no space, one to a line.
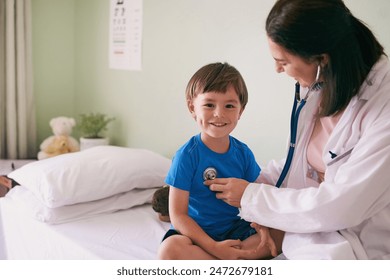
296,110
210,173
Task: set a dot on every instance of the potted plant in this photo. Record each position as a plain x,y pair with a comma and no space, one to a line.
91,127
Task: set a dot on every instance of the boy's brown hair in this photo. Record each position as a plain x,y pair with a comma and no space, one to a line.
217,77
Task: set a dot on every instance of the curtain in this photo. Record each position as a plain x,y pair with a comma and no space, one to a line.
17,113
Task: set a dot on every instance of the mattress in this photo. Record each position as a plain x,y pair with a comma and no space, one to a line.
133,234
7,166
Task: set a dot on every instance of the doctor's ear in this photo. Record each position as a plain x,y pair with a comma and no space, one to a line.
323,59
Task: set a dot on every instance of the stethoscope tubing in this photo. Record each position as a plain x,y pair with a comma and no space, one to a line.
293,134
294,124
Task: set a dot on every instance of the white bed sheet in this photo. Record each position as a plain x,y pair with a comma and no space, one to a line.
2,244
129,234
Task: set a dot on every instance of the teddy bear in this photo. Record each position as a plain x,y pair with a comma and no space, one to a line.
58,146
61,142
160,203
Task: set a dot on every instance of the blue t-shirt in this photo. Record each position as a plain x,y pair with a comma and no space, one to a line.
213,215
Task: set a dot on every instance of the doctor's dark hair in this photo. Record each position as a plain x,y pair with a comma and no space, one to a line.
217,77
311,28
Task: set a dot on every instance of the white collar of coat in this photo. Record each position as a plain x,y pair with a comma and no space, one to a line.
374,78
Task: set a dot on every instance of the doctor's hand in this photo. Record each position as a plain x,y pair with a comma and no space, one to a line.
266,239
229,190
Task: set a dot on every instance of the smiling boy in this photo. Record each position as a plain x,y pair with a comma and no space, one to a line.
204,227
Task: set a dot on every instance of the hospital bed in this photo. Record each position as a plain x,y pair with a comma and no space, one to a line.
93,204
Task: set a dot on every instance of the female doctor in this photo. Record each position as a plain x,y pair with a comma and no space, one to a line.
334,202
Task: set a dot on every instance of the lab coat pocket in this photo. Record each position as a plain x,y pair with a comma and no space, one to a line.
339,158
333,165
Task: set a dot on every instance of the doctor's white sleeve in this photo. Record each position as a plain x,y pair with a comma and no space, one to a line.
359,190
270,174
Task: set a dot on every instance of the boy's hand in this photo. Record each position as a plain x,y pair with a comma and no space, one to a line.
227,249
231,249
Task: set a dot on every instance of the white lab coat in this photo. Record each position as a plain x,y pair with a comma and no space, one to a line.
348,215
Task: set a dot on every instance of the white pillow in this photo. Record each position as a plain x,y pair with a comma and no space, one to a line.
27,201
92,174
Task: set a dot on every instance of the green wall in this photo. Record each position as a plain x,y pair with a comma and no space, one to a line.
53,61
70,40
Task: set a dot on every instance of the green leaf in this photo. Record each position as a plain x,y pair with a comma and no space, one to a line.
93,124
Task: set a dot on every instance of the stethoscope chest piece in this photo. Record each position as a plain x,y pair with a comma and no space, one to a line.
210,173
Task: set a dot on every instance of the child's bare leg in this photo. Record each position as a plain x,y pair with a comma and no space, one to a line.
180,247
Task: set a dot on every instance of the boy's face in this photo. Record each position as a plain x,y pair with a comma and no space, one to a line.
216,113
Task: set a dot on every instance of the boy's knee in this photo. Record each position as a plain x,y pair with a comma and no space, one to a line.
168,250
174,247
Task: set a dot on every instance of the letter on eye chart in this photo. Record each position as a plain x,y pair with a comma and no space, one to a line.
125,47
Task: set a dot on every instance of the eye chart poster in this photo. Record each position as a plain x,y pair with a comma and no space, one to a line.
125,49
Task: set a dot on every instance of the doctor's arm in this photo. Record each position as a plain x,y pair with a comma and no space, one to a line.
358,190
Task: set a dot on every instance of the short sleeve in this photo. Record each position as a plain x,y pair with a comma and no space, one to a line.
182,170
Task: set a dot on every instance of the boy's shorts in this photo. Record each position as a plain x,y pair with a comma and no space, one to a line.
241,229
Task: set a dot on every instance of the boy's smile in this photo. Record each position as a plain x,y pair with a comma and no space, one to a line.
216,114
